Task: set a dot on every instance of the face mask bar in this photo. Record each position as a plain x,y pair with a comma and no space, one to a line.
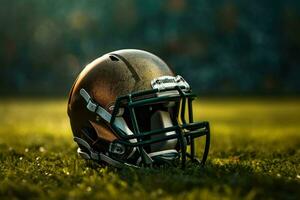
186,133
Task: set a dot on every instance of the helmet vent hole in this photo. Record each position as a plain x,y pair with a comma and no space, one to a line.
113,58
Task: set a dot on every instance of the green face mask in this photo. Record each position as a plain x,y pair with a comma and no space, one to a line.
151,126
160,131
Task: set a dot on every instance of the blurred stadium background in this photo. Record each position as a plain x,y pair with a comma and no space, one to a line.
222,47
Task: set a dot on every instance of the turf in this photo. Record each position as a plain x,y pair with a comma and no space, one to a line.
254,154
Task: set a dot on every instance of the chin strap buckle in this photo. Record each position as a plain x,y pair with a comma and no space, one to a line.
90,154
116,148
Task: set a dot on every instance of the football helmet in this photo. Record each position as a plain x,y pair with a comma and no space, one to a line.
127,108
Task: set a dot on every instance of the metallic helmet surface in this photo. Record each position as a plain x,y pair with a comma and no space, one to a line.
128,108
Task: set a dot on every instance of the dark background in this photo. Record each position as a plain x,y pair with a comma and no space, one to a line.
222,47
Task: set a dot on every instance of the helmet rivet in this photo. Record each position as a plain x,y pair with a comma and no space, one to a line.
97,118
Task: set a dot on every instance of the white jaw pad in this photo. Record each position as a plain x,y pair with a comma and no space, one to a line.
161,119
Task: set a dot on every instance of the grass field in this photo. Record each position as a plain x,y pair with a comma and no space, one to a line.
255,154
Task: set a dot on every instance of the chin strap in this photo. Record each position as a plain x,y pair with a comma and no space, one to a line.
119,122
97,156
94,107
91,154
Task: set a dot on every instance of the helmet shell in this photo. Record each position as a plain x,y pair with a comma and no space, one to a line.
105,79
